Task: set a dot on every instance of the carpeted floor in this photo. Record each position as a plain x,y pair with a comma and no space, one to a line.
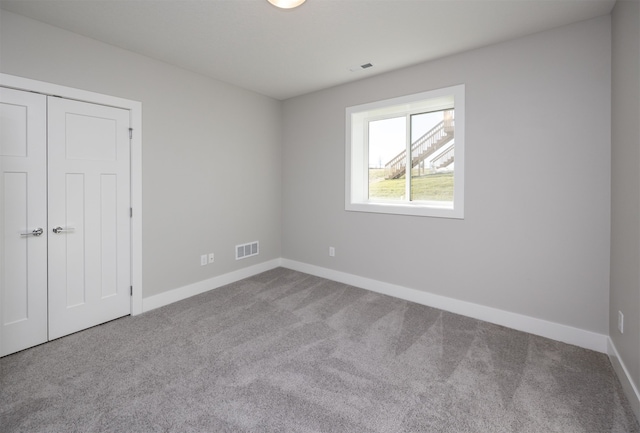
288,352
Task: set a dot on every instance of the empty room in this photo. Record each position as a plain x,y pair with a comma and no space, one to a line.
320,216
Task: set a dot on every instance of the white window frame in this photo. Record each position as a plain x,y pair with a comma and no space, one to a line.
357,158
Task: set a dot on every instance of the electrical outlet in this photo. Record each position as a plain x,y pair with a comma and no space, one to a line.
332,252
211,257
203,260
621,322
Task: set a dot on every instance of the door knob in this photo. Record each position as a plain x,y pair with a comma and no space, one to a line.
35,232
61,230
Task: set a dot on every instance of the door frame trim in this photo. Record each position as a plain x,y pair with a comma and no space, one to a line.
135,113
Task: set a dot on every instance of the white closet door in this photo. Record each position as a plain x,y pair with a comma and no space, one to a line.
23,214
89,220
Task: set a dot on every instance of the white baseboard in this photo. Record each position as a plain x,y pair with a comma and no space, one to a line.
175,295
555,331
630,389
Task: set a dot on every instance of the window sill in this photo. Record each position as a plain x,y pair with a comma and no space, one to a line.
432,209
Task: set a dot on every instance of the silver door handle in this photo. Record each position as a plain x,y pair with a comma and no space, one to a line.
61,230
35,232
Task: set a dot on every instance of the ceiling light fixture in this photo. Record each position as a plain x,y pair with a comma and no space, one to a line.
286,4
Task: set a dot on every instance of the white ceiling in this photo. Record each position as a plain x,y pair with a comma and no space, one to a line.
285,53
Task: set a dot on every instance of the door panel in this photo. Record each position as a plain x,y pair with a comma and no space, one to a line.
23,189
89,199
109,230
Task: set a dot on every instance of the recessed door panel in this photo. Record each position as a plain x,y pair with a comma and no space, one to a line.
73,239
109,235
13,129
15,304
90,137
23,220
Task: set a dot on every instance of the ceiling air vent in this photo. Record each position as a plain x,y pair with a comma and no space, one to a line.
361,67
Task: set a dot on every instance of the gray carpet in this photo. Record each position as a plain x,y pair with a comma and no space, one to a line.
288,352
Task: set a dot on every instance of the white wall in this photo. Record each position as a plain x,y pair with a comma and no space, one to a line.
211,151
625,183
535,238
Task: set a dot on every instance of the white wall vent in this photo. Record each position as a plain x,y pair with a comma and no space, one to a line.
247,250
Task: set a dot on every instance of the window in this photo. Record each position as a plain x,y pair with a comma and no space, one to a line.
406,155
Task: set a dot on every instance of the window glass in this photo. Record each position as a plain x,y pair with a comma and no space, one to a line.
406,155
387,143
432,156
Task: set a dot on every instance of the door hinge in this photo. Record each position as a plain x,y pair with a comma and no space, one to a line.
130,290
130,133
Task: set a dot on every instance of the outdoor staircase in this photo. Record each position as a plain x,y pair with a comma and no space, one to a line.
444,159
424,147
